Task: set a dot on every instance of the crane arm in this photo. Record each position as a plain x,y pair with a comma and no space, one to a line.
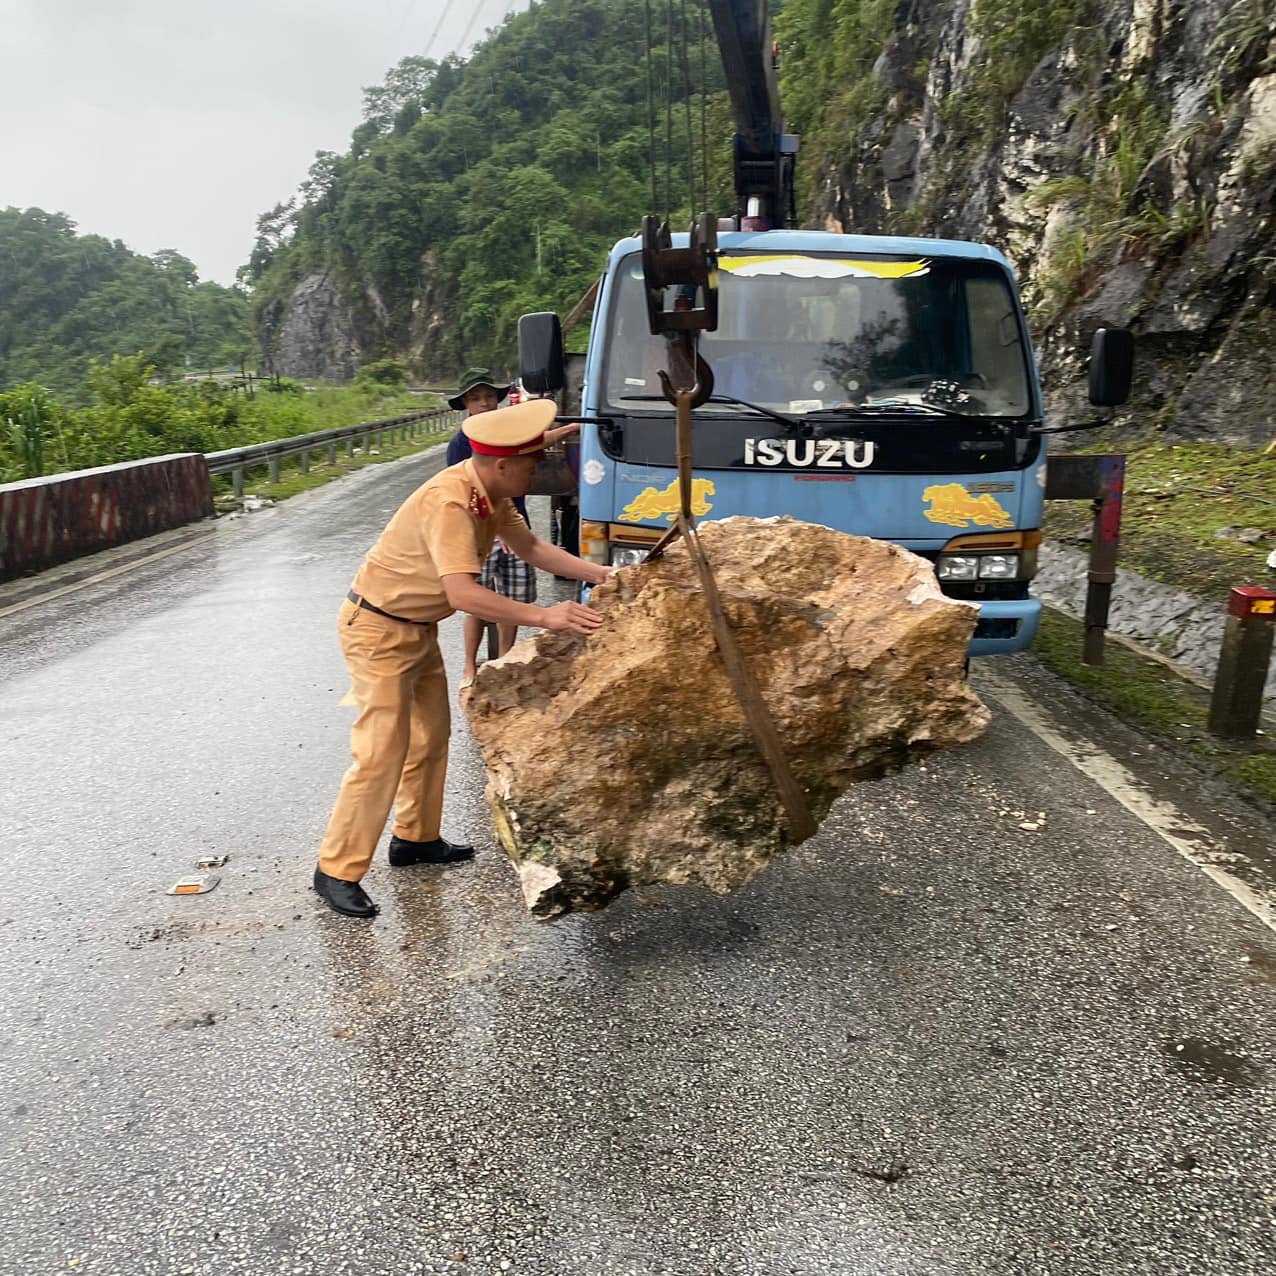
764,153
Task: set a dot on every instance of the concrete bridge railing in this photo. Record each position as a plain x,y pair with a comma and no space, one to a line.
46,521
51,520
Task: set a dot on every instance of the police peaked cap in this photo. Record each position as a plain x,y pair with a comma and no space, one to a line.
515,431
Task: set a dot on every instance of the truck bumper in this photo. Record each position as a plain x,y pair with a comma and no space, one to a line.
1006,626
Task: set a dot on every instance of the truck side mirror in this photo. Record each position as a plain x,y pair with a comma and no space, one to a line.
540,353
1111,367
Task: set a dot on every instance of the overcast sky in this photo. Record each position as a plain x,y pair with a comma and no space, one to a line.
174,123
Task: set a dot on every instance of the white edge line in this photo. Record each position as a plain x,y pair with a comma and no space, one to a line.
103,575
1118,783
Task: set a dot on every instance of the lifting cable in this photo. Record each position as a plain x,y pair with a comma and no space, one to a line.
686,103
668,111
704,129
651,115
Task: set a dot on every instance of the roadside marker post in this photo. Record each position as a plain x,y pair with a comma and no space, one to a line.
1243,660
1099,478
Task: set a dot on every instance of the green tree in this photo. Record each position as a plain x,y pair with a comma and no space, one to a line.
499,183
67,298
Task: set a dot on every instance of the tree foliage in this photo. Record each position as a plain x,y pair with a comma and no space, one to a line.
128,416
66,299
497,185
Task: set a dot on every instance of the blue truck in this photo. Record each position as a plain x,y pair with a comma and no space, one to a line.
878,385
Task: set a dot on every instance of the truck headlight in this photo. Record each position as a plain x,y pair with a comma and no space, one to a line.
998,566
626,555
958,567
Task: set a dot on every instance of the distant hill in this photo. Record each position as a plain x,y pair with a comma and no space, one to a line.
67,298
474,191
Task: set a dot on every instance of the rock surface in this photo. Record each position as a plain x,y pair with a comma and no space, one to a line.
625,759
1129,174
313,335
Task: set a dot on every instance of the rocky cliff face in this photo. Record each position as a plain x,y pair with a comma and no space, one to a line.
312,334
330,324
1126,164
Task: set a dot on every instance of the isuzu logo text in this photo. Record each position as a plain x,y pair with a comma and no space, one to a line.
820,454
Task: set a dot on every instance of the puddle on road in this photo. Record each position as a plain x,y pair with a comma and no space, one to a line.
1260,962
1216,1063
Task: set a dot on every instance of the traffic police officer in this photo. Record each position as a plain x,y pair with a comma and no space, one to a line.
425,566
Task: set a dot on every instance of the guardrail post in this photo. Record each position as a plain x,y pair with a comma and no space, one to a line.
350,446
237,481
303,461
274,469
332,454
1243,659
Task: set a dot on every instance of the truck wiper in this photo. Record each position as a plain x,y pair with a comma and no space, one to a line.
889,409
793,423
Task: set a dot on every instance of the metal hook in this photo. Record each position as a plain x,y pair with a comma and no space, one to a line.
701,390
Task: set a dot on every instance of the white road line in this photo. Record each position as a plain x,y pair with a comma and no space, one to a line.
1194,843
131,565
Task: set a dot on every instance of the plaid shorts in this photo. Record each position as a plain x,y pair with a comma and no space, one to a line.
506,574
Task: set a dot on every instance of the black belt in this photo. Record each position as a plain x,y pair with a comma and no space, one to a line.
360,601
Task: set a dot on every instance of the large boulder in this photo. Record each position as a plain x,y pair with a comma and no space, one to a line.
625,758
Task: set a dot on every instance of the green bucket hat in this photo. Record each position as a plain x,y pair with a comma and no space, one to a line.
469,379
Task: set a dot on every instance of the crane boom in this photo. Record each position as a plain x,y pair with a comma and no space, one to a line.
764,152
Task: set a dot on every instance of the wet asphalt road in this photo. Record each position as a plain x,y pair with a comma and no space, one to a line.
929,1041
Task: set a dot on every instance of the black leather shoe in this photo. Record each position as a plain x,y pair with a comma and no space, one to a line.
343,897
440,851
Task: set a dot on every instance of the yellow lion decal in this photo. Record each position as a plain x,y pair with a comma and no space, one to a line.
649,503
954,506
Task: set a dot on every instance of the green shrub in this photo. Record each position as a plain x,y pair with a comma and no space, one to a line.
389,373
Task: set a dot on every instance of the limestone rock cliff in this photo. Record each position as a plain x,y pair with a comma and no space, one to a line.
312,333
1121,152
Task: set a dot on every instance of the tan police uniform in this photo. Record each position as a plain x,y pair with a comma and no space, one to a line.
388,628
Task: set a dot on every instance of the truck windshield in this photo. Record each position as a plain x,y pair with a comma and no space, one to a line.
805,333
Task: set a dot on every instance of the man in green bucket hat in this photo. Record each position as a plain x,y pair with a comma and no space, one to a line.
476,379
503,572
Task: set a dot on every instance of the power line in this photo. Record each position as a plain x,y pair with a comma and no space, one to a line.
438,26
478,8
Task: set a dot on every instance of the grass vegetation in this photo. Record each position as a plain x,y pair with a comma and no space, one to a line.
828,51
130,416
1198,516
1154,698
1015,36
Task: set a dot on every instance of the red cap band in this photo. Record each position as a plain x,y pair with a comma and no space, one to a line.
488,449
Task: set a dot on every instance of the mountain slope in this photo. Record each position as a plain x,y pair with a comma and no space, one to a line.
473,192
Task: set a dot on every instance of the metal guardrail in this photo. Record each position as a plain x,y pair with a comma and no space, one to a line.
234,461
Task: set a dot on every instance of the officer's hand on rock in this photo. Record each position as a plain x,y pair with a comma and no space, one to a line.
572,617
